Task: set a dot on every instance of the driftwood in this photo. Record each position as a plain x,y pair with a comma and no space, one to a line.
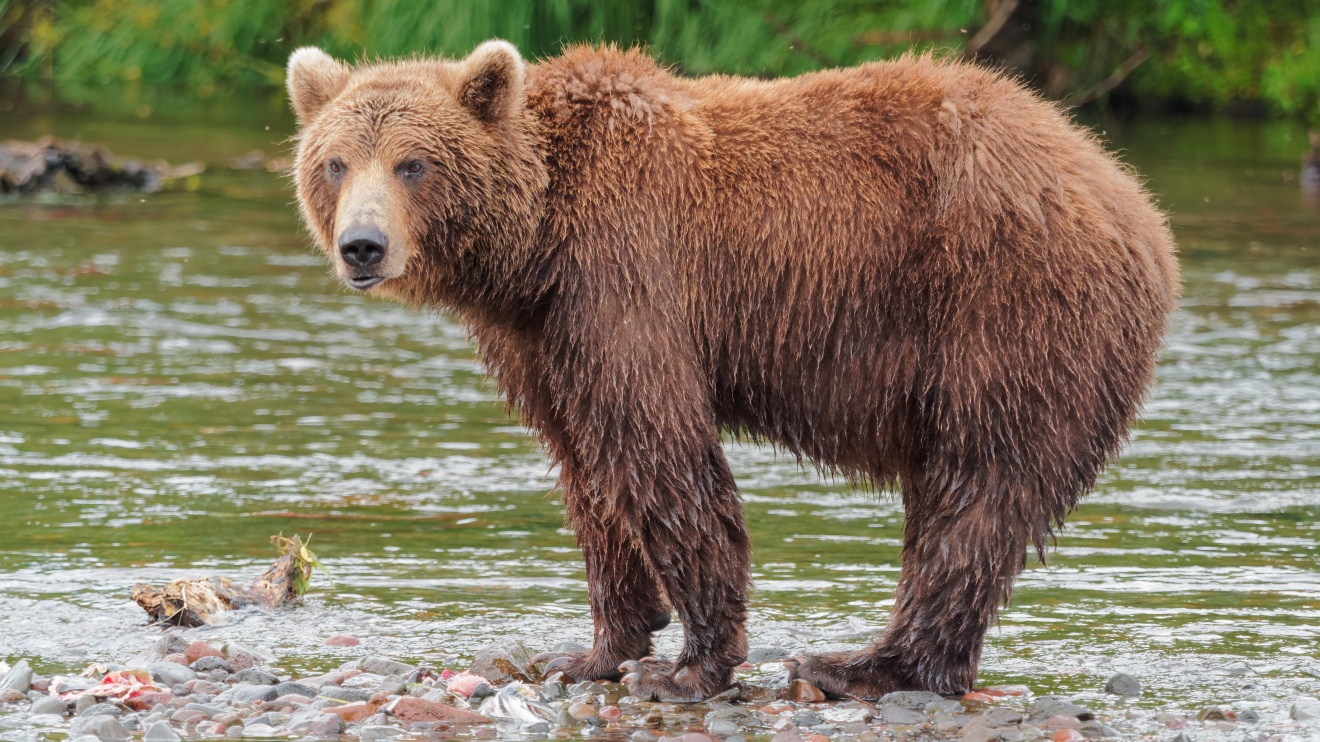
198,602
51,164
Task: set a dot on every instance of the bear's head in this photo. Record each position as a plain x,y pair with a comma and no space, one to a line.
420,179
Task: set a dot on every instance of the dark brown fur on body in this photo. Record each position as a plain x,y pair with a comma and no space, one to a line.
912,273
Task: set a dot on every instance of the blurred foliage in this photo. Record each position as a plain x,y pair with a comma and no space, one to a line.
1209,54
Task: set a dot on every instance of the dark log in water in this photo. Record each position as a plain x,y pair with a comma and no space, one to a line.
50,164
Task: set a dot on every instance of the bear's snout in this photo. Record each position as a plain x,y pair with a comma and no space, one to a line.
362,250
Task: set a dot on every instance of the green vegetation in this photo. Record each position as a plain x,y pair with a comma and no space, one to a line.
1205,54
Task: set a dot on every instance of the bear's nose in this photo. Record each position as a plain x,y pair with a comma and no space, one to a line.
362,247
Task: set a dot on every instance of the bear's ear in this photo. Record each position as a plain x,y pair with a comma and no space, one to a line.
313,79
491,81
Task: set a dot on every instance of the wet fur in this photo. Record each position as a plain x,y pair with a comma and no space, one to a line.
911,273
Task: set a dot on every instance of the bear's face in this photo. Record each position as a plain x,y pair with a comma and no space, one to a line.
409,173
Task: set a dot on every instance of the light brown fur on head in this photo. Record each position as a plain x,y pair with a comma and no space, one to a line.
434,155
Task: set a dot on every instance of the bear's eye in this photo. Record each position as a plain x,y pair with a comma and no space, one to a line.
335,167
412,168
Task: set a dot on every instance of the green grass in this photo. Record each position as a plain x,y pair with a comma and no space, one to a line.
1212,54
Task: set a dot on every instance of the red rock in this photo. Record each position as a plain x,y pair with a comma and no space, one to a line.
178,659
817,738
352,713
1068,735
41,685
240,661
198,650
342,640
699,737
978,697
610,713
803,692
412,709
149,701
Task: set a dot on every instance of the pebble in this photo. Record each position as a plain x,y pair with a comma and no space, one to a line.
802,691
210,663
348,695
1122,684
200,649
160,732
251,693
290,688
103,727
18,679
1305,709
255,676
48,705
384,666
505,661
258,730
170,674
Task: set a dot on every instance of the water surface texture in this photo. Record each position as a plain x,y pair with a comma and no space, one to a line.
181,378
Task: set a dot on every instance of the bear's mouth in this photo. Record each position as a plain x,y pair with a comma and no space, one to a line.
362,283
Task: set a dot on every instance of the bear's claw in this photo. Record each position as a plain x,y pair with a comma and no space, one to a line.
578,667
845,674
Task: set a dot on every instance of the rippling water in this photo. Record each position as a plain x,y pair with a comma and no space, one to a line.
180,378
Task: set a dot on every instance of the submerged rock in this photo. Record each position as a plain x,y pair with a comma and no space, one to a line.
1122,684
505,661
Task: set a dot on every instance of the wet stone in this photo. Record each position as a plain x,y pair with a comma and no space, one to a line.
801,691
896,714
1122,684
18,679
1047,706
255,676
102,709
160,732
48,705
504,661
762,655
200,649
253,693
104,728
1093,729
258,730
170,673
291,688
384,666
209,663
910,699
1305,709
1249,716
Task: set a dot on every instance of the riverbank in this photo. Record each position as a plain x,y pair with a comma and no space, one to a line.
193,689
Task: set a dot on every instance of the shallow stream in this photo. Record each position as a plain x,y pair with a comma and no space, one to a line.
181,378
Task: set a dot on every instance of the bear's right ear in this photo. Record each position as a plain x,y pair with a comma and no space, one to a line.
313,79
491,81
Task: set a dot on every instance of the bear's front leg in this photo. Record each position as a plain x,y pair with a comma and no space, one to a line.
639,424
627,604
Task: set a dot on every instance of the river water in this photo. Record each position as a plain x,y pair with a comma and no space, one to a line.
181,378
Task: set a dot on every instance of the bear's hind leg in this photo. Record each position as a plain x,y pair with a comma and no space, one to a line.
627,605
961,553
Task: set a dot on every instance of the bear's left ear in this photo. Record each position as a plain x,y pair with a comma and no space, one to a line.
491,81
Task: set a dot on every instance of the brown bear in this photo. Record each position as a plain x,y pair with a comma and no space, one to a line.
915,274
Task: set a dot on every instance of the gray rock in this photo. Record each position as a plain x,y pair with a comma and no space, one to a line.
722,728
505,661
49,705
208,664
171,643
761,655
896,714
290,688
82,704
379,733
160,732
1002,717
316,723
170,673
393,685
642,735
1094,729
258,730
736,715
102,709
1250,716
385,666
1122,684
255,676
1047,706
807,719
910,699
1306,709
46,720
347,695
253,693
205,709
18,679
100,726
